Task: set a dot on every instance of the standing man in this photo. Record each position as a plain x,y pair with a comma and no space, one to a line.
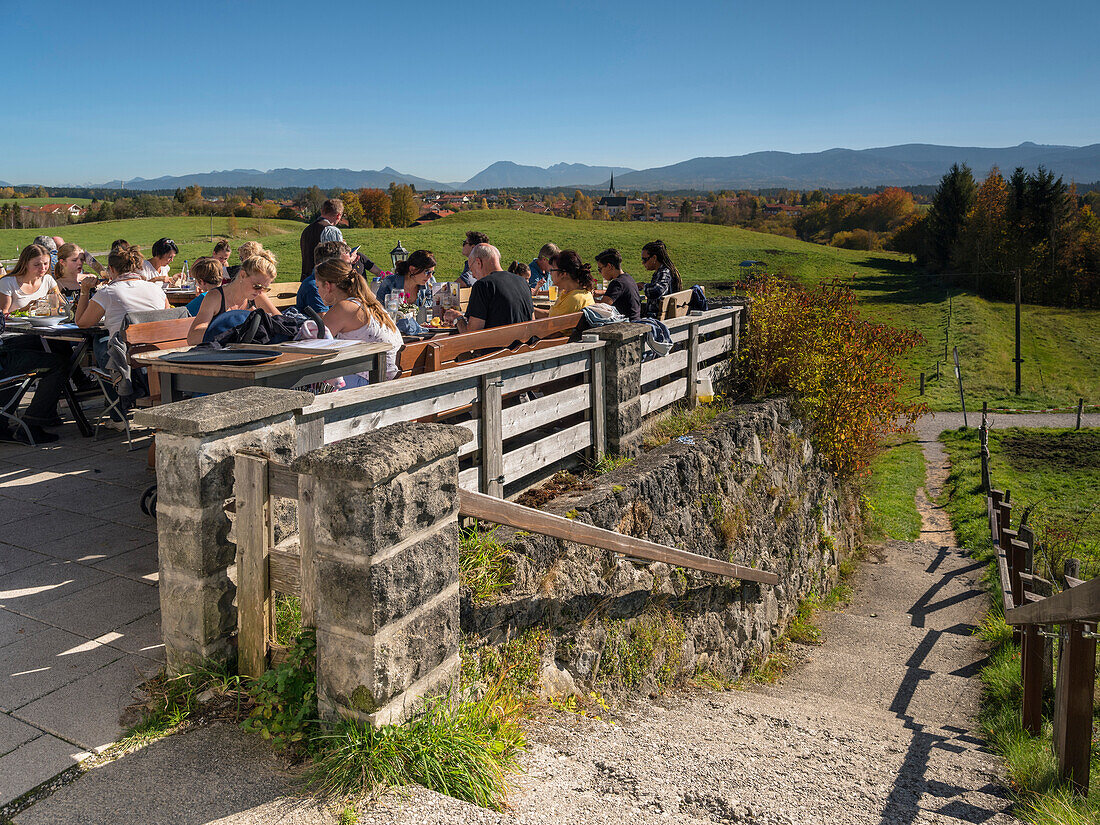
332,211
540,267
499,298
466,278
622,290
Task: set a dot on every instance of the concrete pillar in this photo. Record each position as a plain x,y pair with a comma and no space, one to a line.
625,344
384,516
196,441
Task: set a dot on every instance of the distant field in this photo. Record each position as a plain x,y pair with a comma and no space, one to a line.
40,201
1061,347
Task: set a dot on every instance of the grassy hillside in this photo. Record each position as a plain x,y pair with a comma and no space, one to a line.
40,201
1061,347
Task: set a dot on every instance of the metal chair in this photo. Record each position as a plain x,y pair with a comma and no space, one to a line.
103,378
18,385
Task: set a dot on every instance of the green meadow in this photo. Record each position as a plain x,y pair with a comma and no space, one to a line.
1061,348
41,201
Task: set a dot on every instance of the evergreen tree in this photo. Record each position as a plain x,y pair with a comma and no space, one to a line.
950,205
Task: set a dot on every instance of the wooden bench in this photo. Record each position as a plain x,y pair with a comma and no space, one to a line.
674,305
284,293
456,350
154,336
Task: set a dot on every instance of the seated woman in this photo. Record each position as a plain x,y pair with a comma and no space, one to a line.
574,282
356,314
665,279
70,267
221,253
408,276
246,291
29,281
156,268
126,291
521,269
207,273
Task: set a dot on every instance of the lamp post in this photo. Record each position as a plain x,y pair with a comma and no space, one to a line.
398,254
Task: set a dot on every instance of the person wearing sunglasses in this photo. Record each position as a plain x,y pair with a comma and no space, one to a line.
409,276
665,279
247,291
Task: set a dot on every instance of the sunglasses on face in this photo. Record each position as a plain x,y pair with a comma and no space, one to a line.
261,288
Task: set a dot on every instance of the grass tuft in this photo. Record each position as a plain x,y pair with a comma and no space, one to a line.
679,421
483,563
461,748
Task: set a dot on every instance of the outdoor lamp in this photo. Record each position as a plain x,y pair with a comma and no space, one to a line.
398,254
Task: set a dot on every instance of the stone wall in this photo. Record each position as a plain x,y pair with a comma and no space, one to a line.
750,489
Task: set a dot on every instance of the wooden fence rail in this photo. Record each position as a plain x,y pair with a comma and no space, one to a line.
1030,609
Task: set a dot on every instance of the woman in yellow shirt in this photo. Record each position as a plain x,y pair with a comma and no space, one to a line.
574,282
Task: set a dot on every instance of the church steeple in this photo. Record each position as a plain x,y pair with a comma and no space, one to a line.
611,191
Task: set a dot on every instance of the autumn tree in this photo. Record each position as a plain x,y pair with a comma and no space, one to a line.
376,208
353,210
403,209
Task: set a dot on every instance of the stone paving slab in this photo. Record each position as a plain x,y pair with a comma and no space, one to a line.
14,733
14,513
141,636
24,591
46,661
111,689
14,627
14,558
36,762
101,608
139,564
97,541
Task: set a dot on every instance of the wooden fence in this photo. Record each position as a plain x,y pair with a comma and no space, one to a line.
530,412
1033,609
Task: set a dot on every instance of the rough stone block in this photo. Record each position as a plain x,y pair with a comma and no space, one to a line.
365,596
222,411
366,673
197,616
376,457
365,520
194,541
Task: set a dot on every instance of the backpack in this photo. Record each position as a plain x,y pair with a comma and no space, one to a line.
257,328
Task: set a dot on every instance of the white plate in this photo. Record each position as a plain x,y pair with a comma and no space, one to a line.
46,321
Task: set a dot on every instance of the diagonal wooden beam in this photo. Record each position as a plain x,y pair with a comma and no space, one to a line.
499,511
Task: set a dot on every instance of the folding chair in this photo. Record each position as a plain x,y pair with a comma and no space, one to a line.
103,378
19,385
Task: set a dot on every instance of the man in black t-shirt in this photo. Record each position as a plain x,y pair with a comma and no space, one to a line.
498,298
331,212
622,290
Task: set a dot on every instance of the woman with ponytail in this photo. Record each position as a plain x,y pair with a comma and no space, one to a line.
356,314
409,275
665,279
574,281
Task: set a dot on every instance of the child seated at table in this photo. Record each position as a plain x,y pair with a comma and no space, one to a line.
356,314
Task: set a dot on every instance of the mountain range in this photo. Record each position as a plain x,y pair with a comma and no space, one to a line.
909,164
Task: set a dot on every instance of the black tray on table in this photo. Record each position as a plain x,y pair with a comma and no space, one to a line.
227,357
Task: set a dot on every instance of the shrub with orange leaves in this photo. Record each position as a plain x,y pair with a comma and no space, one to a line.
843,371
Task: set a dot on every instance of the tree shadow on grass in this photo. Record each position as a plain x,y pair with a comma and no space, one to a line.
897,282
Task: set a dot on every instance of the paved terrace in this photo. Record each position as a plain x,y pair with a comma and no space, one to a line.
79,609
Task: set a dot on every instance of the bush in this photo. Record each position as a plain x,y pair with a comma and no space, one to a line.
812,342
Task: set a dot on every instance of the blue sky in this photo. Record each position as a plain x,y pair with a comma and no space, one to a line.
442,89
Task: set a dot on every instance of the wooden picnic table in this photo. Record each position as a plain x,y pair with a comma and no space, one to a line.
289,370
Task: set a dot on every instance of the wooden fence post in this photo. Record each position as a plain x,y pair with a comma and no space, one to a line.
255,534
693,363
1080,409
598,412
1073,706
492,446
1031,666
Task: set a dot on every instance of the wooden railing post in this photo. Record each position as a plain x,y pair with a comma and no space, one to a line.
1031,664
983,449
1073,705
598,413
255,534
693,363
492,440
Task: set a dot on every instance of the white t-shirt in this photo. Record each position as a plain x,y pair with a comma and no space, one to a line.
10,286
129,295
149,272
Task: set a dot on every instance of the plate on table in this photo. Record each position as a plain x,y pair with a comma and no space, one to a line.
227,357
46,320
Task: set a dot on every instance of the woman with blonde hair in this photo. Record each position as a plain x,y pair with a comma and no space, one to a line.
29,281
70,266
356,314
247,291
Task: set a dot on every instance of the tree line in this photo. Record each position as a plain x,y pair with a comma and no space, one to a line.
1031,223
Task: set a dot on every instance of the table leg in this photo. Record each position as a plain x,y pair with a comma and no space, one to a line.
168,392
378,371
69,390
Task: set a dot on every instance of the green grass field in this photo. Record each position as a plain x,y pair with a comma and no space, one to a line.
1055,472
1061,347
896,473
